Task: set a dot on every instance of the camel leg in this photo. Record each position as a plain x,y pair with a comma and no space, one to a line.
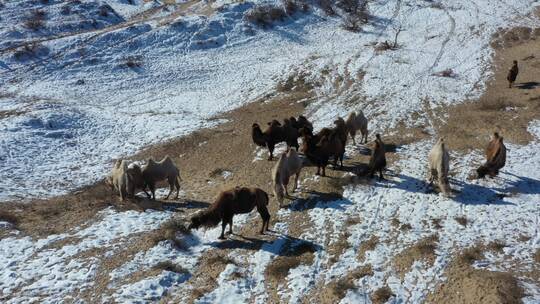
318,170
265,215
324,171
230,226
152,187
353,134
223,225
171,188
177,184
296,181
271,150
381,177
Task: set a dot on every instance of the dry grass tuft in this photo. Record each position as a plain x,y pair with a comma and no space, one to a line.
170,266
133,62
381,295
6,216
368,245
537,255
437,223
461,220
265,15
168,231
497,246
471,254
405,227
36,20
424,249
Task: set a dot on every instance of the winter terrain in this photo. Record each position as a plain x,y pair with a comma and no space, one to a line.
101,80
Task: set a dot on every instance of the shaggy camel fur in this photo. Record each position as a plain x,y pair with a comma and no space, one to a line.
289,164
319,148
118,178
512,74
154,172
439,165
274,134
357,122
495,157
228,203
135,180
269,138
377,162
301,122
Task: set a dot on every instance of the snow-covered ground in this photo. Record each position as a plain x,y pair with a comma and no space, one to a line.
75,105
69,110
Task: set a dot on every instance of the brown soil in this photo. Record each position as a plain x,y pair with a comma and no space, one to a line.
368,245
467,285
336,290
381,295
423,250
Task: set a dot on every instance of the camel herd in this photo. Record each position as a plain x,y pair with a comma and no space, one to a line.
317,149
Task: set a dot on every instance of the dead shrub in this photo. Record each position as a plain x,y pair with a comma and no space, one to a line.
497,246
170,266
405,227
498,104
537,255
352,23
265,15
292,6
36,20
471,254
381,295
461,220
30,50
133,62
6,216
168,231
436,223
448,73
104,10
327,7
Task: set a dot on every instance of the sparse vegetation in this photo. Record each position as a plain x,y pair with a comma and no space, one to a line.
36,20
461,220
424,249
133,62
265,15
30,50
497,246
170,266
405,227
449,73
471,254
381,295
168,232
498,104
9,217
436,223
104,10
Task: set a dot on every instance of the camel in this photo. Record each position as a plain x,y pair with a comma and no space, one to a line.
495,157
165,169
512,74
357,122
439,165
289,164
377,162
228,203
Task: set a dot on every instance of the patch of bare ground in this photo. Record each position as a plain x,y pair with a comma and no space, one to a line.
294,254
537,255
366,246
204,280
336,290
462,220
465,284
505,110
423,250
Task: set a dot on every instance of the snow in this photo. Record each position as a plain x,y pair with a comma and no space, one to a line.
30,268
80,107
75,107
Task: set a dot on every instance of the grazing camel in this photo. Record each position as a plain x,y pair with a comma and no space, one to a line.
439,165
377,162
165,169
495,157
357,122
301,122
319,148
512,74
289,164
228,203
